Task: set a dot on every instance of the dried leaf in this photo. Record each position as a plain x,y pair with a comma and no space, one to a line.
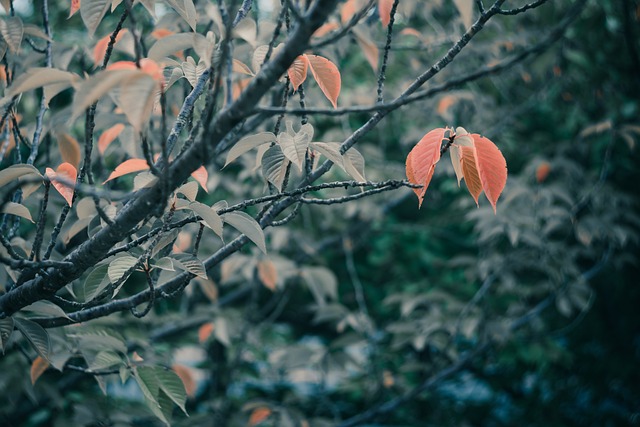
327,75
63,180
128,166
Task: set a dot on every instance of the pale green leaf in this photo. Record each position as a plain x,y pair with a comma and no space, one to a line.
16,171
354,164
46,308
189,263
96,87
172,385
249,143
92,12
97,280
248,226
16,209
137,97
186,9
36,77
331,150
274,166
6,329
12,31
322,283
173,44
209,216
189,190
119,266
105,359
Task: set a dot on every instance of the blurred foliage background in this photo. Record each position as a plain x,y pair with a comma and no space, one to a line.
535,308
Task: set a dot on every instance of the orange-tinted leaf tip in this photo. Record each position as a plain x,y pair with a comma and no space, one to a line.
205,331
38,367
542,171
384,10
108,136
259,415
201,176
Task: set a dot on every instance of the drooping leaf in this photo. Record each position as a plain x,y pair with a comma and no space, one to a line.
354,164
16,171
119,267
12,30
422,160
6,329
46,308
108,136
294,144
127,167
470,171
331,150
456,158
36,335
384,10
36,77
268,274
249,143
16,209
169,45
38,366
248,226
137,97
492,168
328,77
190,263
247,30
170,383
274,166
148,383
92,12
69,148
209,216
297,72
63,180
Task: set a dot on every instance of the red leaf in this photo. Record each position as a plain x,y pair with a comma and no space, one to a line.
259,415
470,171
268,274
492,168
384,10
128,166
542,171
327,75
422,159
348,10
38,367
69,148
66,172
101,47
298,71
201,176
75,6
205,331
108,136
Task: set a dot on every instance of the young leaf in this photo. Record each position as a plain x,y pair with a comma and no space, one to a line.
75,6
16,209
492,168
38,366
470,171
294,145
297,72
258,415
209,216
354,164
422,160
189,190
63,180
127,167
347,11
108,136
327,75
190,263
384,10
12,31
92,12
187,378
16,171
274,166
36,335
247,144
455,153
248,226
148,383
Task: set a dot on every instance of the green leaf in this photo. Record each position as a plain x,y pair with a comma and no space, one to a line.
119,267
36,77
186,10
16,209
105,359
36,335
148,382
354,164
331,150
294,145
209,216
96,281
92,12
16,171
322,283
46,308
274,166
249,143
190,263
248,226
12,31
6,329
174,43
172,385
100,340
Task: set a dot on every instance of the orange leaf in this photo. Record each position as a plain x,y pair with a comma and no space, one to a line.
128,166
75,6
101,47
108,136
201,176
298,71
268,274
205,331
66,172
470,172
184,372
325,29
147,65
368,47
422,159
542,171
327,75
348,10
384,10
259,415
161,33
38,367
492,168
69,148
